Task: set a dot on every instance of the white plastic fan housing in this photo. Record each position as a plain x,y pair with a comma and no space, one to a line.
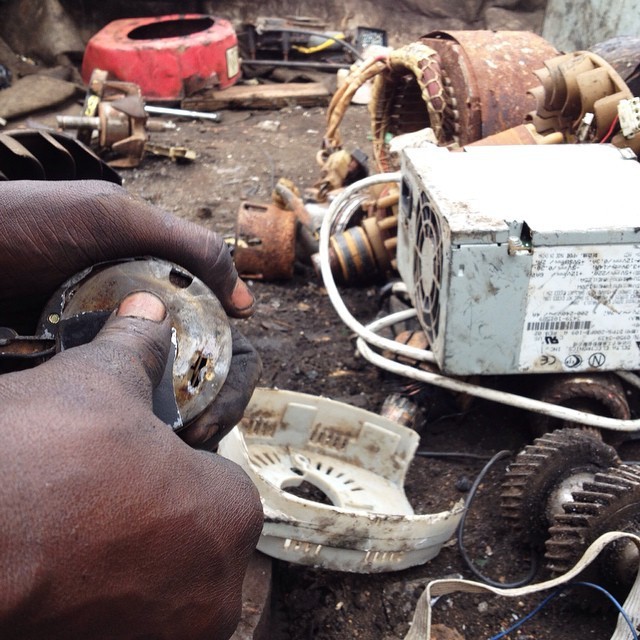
358,460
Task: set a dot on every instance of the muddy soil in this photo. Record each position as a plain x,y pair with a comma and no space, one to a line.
305,347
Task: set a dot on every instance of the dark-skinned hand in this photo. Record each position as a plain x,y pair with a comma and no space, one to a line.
50,231
112,526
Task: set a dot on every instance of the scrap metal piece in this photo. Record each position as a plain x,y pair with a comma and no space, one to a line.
542,476
169,56
573,85
488,75
114,113
182,113
464,85
609,502
202,334
598,393
363,252
265,242
27,154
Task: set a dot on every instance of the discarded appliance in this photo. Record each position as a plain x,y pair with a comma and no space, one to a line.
198,366
331,480
169,57
303,41
465,85
115,118
507,284
27,154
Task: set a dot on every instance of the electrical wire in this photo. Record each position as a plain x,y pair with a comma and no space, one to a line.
368,336
460,533
451,454
557,592
610,131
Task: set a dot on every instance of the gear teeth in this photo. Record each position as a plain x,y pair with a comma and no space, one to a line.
584,516
540,465
590,506
591,498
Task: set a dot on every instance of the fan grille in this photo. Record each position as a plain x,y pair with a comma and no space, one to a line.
427,268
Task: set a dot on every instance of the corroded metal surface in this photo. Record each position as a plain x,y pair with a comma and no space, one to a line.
488,75
265,243
201,328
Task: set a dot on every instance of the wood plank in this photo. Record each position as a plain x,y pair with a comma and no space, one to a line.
262,96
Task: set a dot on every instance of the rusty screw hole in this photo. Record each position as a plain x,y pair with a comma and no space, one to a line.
199,365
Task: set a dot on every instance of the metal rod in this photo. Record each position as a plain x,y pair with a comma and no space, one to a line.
182,113
289,63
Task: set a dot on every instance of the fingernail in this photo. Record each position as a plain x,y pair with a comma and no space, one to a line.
142,304
242,298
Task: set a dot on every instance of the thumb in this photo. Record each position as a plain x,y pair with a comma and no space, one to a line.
140,331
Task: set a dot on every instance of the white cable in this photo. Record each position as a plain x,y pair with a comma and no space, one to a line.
330,285
367,336
460,386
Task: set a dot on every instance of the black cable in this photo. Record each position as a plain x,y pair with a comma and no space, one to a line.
474,487
451,454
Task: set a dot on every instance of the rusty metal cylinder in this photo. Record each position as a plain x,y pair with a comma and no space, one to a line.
488,75
265,242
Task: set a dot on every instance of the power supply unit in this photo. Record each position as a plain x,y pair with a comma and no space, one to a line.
523,259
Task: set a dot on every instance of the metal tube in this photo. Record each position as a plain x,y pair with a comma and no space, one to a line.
182,113
298,63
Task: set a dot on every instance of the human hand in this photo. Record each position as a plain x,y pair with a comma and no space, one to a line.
112,526
50,231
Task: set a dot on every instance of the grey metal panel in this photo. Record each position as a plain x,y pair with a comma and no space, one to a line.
485,289
574,26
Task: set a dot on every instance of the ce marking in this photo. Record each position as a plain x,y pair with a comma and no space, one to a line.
547,361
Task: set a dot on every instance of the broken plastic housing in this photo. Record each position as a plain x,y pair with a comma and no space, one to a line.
331,479
200,359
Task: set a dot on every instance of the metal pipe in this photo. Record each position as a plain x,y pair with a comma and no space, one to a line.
329,66
182,113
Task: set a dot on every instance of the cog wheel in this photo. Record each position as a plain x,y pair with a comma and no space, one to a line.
610,502
544,475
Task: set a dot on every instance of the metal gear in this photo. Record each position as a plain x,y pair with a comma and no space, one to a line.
609,502
544,475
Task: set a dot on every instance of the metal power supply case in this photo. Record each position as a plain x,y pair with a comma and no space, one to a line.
523,259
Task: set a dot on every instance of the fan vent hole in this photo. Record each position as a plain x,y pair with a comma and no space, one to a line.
308,491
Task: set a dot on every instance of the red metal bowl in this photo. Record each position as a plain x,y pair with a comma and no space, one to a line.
169,57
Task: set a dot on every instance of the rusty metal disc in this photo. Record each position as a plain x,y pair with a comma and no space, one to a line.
201,332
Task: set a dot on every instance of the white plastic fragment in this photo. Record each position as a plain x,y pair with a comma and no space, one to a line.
421,624
358,460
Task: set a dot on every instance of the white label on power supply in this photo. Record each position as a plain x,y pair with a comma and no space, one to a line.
583,309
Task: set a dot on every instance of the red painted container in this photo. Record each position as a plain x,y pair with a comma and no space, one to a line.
169,57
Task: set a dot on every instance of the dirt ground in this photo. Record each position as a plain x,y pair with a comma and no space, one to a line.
305,347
